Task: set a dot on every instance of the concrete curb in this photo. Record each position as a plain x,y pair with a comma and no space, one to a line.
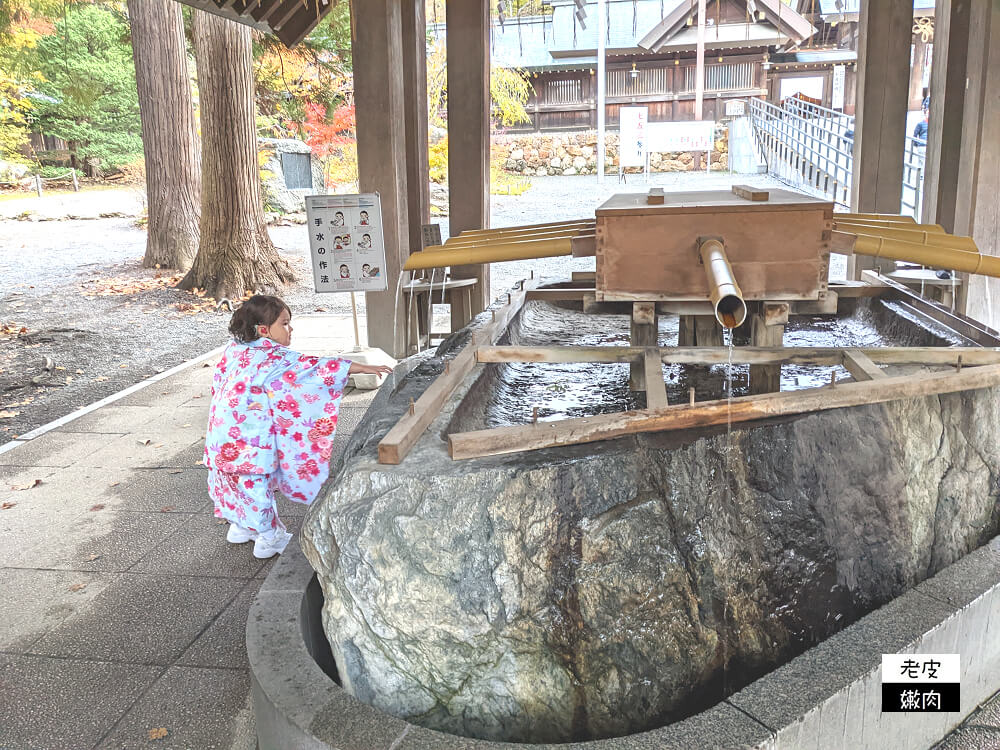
56,423
828,697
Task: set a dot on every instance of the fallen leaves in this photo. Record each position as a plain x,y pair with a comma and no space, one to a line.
158,733
91,558
99,506
147,441
167,509
7,505
28,486
8,414
12,329
77,587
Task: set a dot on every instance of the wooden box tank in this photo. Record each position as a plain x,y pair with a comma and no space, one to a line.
779,248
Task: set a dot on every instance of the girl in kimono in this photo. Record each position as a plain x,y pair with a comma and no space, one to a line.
271,423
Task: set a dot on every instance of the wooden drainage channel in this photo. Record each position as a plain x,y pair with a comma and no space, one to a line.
971,368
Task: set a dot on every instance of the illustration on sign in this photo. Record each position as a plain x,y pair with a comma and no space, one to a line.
346,242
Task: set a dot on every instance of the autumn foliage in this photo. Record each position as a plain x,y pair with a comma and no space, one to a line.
333,137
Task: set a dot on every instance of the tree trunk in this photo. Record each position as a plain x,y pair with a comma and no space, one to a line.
169,135
235,255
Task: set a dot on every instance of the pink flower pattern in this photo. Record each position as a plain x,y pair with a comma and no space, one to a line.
270,426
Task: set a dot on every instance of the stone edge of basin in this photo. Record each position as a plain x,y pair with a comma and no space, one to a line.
829,696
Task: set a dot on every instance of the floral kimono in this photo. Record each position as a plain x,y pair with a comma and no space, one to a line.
271,426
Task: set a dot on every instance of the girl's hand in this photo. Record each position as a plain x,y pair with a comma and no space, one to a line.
359,369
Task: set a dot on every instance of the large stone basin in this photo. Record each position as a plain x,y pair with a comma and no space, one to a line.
605,589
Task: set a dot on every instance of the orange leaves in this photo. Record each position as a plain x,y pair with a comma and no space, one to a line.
194,302
12,329
158,734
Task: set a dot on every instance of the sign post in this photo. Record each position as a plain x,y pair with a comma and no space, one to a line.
839,73
346,245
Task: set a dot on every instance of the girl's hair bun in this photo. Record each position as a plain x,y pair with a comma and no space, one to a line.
259,310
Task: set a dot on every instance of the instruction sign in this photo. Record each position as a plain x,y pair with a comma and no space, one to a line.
632,142
346,242
921,682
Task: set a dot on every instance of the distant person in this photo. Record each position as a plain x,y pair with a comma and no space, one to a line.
920,131
271,423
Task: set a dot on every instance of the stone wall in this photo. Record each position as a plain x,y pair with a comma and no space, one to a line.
575,153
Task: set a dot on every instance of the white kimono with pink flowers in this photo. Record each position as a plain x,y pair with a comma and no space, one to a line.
270,426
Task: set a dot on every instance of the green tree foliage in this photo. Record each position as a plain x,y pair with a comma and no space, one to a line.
89,81
316,72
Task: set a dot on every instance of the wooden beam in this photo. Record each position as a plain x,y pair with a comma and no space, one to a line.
584,276
656,387
559,294
750,193
503,440
848,289
584,245
392,449
860,366
940,356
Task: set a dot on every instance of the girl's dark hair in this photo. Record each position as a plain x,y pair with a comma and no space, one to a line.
259,310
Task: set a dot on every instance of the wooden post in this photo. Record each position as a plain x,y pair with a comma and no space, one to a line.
418,194
885,31
468,25
944,136
765,378
643,333
977,209
376,41
38,185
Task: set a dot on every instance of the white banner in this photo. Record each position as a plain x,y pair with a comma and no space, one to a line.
346,243
632,129
839,72
695,135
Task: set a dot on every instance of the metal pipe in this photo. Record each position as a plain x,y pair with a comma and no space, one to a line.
488,253
727,299
926,255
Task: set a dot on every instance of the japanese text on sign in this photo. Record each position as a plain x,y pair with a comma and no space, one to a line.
346,242
920,682
632,136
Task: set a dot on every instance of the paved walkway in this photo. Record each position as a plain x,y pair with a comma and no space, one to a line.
123,608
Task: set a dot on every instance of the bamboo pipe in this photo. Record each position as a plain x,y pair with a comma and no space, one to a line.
925,255
551,234
935,239
727,299
911,227
899,218
488,253
502,230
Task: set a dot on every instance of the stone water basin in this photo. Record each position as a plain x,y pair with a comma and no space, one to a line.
605,589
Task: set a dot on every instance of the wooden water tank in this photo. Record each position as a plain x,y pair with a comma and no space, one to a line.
779,249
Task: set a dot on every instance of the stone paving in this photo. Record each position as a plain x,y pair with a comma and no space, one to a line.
123,606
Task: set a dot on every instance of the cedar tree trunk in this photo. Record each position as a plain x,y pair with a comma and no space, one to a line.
169,135
235,255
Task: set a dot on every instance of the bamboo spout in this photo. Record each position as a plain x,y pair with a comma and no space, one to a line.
727,299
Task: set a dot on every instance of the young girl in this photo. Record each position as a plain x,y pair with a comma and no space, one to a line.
271,423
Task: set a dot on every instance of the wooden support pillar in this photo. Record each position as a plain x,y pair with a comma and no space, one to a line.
468,50
418,192
766,329
643,333
916,95
376,44
977,209
885,31
944,137
699,330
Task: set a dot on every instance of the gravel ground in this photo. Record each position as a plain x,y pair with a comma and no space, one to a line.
98,345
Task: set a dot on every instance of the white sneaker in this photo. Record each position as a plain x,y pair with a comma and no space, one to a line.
270,545
238,535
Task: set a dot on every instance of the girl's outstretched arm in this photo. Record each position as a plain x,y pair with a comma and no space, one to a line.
359,369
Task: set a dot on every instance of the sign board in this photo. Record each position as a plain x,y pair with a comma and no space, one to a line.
632,130
839,72
430,234
695,135
921,683
736,108
346,242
